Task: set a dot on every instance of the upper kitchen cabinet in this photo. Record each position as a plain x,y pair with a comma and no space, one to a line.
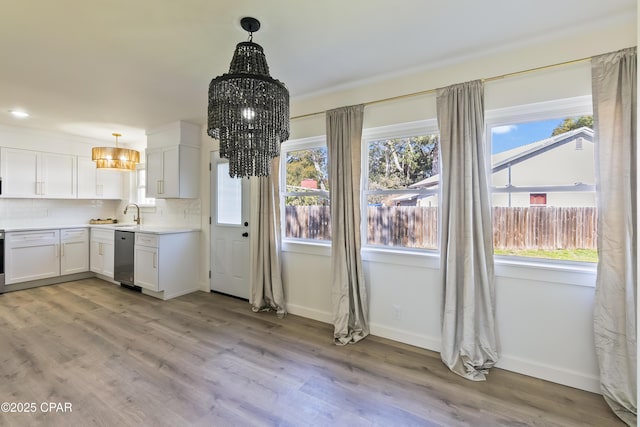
173,161
27,173
96,183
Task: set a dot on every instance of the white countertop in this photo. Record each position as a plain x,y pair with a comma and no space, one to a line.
151,229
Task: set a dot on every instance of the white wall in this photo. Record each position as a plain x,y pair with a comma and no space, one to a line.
543,312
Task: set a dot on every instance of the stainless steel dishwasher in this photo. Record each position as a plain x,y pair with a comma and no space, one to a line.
123,258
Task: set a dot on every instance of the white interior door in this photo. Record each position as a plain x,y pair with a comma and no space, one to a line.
230,228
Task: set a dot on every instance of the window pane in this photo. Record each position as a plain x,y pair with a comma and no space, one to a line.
307,170
544,200
403,219
307,217
229,193
407,222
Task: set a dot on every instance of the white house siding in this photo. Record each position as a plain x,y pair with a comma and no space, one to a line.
562,165
559,199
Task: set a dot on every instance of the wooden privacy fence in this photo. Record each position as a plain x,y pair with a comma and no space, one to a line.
417,226
544,228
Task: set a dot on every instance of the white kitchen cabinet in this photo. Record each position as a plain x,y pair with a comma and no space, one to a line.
166,264
27,173
102,251
173,161
74,250
172,172
31,255
96,183
145,261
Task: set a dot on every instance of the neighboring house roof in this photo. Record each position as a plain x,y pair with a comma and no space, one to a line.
525,152
517,155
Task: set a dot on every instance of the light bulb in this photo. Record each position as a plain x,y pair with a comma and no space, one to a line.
248,113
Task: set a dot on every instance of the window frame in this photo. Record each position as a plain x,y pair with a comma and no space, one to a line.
149,202
400,130
289,243
564,107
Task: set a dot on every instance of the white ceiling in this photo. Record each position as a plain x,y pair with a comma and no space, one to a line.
95,67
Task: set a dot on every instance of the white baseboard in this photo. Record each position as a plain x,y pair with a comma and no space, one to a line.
205,286
411,338
310,313
546,372
559,375
180,292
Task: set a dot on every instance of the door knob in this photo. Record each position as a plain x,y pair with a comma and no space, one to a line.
245,234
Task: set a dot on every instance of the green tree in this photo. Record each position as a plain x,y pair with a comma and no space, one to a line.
400,162
306,164
573,123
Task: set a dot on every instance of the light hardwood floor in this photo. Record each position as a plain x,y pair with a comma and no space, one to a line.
121,358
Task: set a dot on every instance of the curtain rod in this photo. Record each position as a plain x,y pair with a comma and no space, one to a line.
430,91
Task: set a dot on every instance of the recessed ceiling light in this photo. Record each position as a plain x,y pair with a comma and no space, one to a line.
20,114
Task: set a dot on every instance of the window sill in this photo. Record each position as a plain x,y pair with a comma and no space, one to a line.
409,258
309,247
548,271
569,273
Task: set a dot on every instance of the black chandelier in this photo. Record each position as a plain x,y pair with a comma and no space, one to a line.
248,110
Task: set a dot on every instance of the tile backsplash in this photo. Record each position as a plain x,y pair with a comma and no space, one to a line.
166,212
63,212
53,212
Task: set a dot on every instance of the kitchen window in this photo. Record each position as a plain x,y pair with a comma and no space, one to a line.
140,182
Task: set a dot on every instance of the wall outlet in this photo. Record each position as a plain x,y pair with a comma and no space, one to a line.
396,312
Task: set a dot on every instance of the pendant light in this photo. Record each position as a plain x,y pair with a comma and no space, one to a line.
115,157
248,110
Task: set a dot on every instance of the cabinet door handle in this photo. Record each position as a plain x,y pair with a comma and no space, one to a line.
57,250
155,262
99,248
158,187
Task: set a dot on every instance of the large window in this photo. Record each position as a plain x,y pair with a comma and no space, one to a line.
401,190
543,188
305,182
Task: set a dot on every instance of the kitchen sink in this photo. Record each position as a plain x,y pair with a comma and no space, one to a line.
126,227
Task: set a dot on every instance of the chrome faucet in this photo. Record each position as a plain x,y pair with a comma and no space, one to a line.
136,219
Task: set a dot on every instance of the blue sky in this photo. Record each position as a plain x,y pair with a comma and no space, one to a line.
511,136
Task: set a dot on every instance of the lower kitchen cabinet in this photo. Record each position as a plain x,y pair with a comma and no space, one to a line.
102,252
74,250
42,254
167,263
31,255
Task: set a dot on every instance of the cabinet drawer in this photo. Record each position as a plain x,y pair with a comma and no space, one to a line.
31,238
107,236
149,240
74,235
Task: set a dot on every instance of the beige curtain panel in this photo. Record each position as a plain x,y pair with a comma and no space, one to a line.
267,291
469,339
348,292
615,121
